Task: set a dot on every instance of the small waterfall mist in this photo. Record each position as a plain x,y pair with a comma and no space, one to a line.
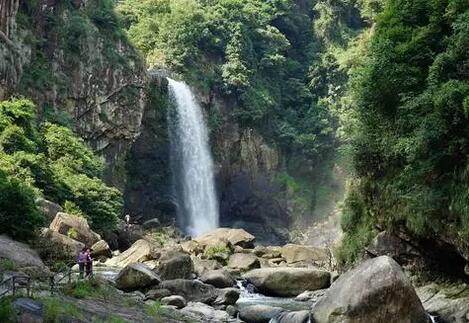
191,162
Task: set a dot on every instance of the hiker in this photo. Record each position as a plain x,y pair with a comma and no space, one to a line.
127,222
89,263
82,261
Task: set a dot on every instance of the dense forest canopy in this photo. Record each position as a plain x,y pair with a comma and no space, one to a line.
257,52
411,144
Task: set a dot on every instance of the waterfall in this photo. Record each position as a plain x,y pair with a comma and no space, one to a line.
191,162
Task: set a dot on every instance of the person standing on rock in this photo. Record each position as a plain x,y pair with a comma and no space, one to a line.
82,261
89,263
127,221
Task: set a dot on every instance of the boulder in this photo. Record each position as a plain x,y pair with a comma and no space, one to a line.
220,252
202,265
227,296
196,291
205,313
293,317
236,237
28,311
311,296
388,244
157,294
75,227
375,291
56,243
101,249
191,290
284,281
259,313
21,255
293,253
192,247
174,300
232,310
152,224
447,303
136,276
243,261
140,251
174,265
219,278
49,208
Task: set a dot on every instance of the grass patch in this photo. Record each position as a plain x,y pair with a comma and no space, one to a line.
154,309
220,252
57,309
90,289
7,265
7,311
111,319
161,237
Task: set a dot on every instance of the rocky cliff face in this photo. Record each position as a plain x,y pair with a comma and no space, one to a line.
249,198
78,67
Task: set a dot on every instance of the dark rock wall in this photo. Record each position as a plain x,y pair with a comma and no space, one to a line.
74,69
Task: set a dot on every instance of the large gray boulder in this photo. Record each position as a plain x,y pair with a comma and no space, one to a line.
375,291
49,208
196,291
389,244
55,243
243,262
293,317
203,265
284,281
136,276
174,264
174,300
21,255
204,313
220,278
140,251
227,296
75,227
259,313
191,290
236,237
101,249
449,303
293,253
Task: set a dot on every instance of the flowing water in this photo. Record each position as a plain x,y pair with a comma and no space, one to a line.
249,297
191,162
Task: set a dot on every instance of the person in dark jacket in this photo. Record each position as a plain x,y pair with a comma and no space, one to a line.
89,263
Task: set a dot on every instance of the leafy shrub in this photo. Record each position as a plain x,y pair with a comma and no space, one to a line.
48,160
19,215
72,208
7,311
154,309
72,233
7,265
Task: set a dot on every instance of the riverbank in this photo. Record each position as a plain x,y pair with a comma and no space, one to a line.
222,276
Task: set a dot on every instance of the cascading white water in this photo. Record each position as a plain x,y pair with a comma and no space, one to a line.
191,162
